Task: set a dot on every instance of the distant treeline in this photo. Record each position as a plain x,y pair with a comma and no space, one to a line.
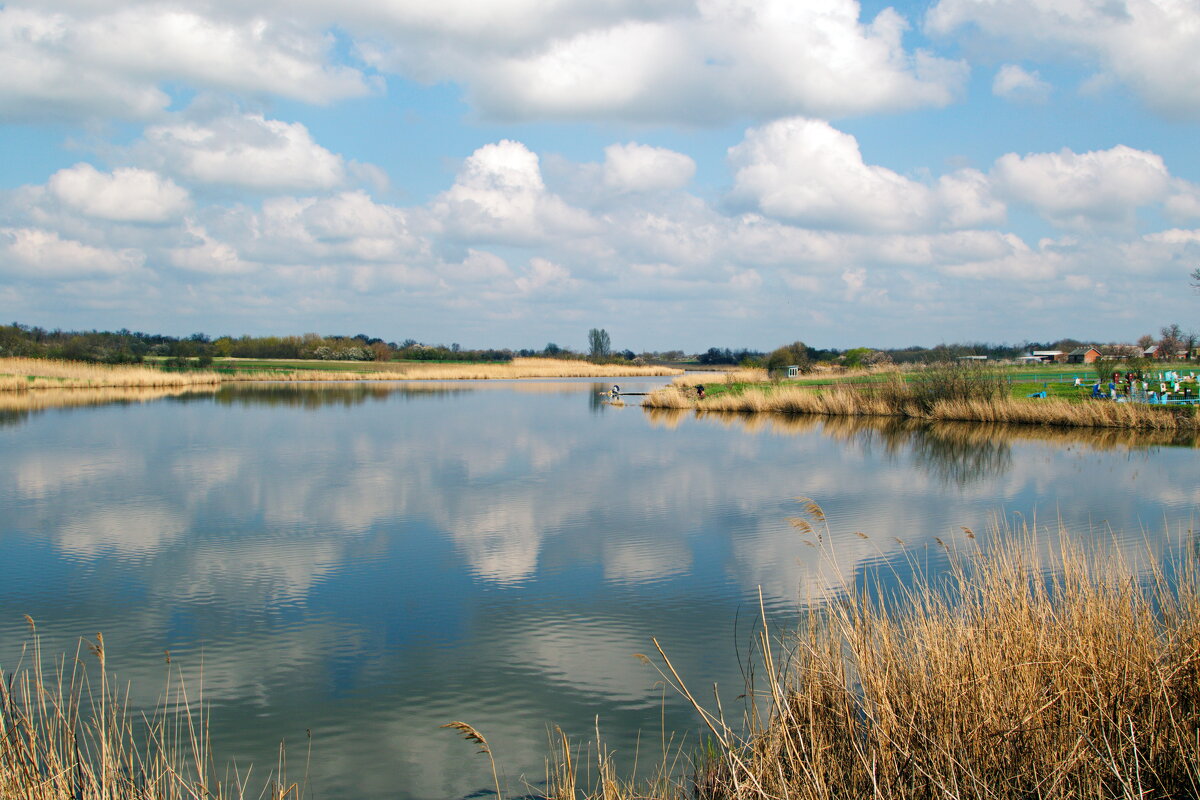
125,347
131,347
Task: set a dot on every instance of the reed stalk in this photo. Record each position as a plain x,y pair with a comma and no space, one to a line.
1025,673
67,732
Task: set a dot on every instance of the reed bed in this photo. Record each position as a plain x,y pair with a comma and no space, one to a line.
517,368
65,398
752,375
67,733
23,374
1026,673
887,402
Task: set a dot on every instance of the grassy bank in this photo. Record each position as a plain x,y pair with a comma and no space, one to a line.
25,374
950,395
1024,674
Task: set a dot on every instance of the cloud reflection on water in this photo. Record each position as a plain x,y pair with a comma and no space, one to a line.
373,560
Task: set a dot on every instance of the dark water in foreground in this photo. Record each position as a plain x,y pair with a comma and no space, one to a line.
369,562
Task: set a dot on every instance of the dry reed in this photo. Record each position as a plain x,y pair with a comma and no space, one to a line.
856,401
22,374
67,733
64,398
517,368
746,375
1018,676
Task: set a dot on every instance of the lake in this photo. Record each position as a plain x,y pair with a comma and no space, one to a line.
370,561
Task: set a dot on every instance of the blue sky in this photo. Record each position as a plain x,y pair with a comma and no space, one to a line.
683,173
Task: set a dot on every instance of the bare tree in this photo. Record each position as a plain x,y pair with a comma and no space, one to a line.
1172,339
599,343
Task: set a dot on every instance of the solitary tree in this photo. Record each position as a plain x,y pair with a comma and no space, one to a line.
1172,339
790,355
599,343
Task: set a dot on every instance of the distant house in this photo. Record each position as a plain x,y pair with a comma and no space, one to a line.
972,358
794,371
1049,356
1120,352
1029,359
1156,351
1083,355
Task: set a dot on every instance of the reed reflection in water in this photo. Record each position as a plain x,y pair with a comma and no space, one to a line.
372,561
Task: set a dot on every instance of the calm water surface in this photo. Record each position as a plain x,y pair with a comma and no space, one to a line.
369,562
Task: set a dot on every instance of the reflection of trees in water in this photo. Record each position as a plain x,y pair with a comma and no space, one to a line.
962,452
9,418
596,397
319,395
16,408
954,452
960,460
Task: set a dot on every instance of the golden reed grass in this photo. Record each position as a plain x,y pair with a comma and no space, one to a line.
853,401
750,375
63,398
517,368
67,733
1021,675
21,374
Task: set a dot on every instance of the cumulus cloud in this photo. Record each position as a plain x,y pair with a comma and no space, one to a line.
1150,45
808,172
86,61
640,168
124,195
499,196
1084,188
543,275
678,61
42,254
247,151
207,255
1013,82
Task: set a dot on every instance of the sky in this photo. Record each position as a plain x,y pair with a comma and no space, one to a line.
682,173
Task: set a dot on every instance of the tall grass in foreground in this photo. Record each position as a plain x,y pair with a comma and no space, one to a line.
67,733
1010,678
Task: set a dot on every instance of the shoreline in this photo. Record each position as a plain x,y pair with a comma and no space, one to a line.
22,374
847,400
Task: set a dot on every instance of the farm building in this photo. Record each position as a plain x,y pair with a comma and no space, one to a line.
1083,355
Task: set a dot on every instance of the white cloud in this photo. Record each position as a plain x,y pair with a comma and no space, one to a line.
97,61
124,195
1013,82
1150,45
37,253
246,151
479,266
208,256
806,171
544,275
1084,188
640,168
703,61
499,196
